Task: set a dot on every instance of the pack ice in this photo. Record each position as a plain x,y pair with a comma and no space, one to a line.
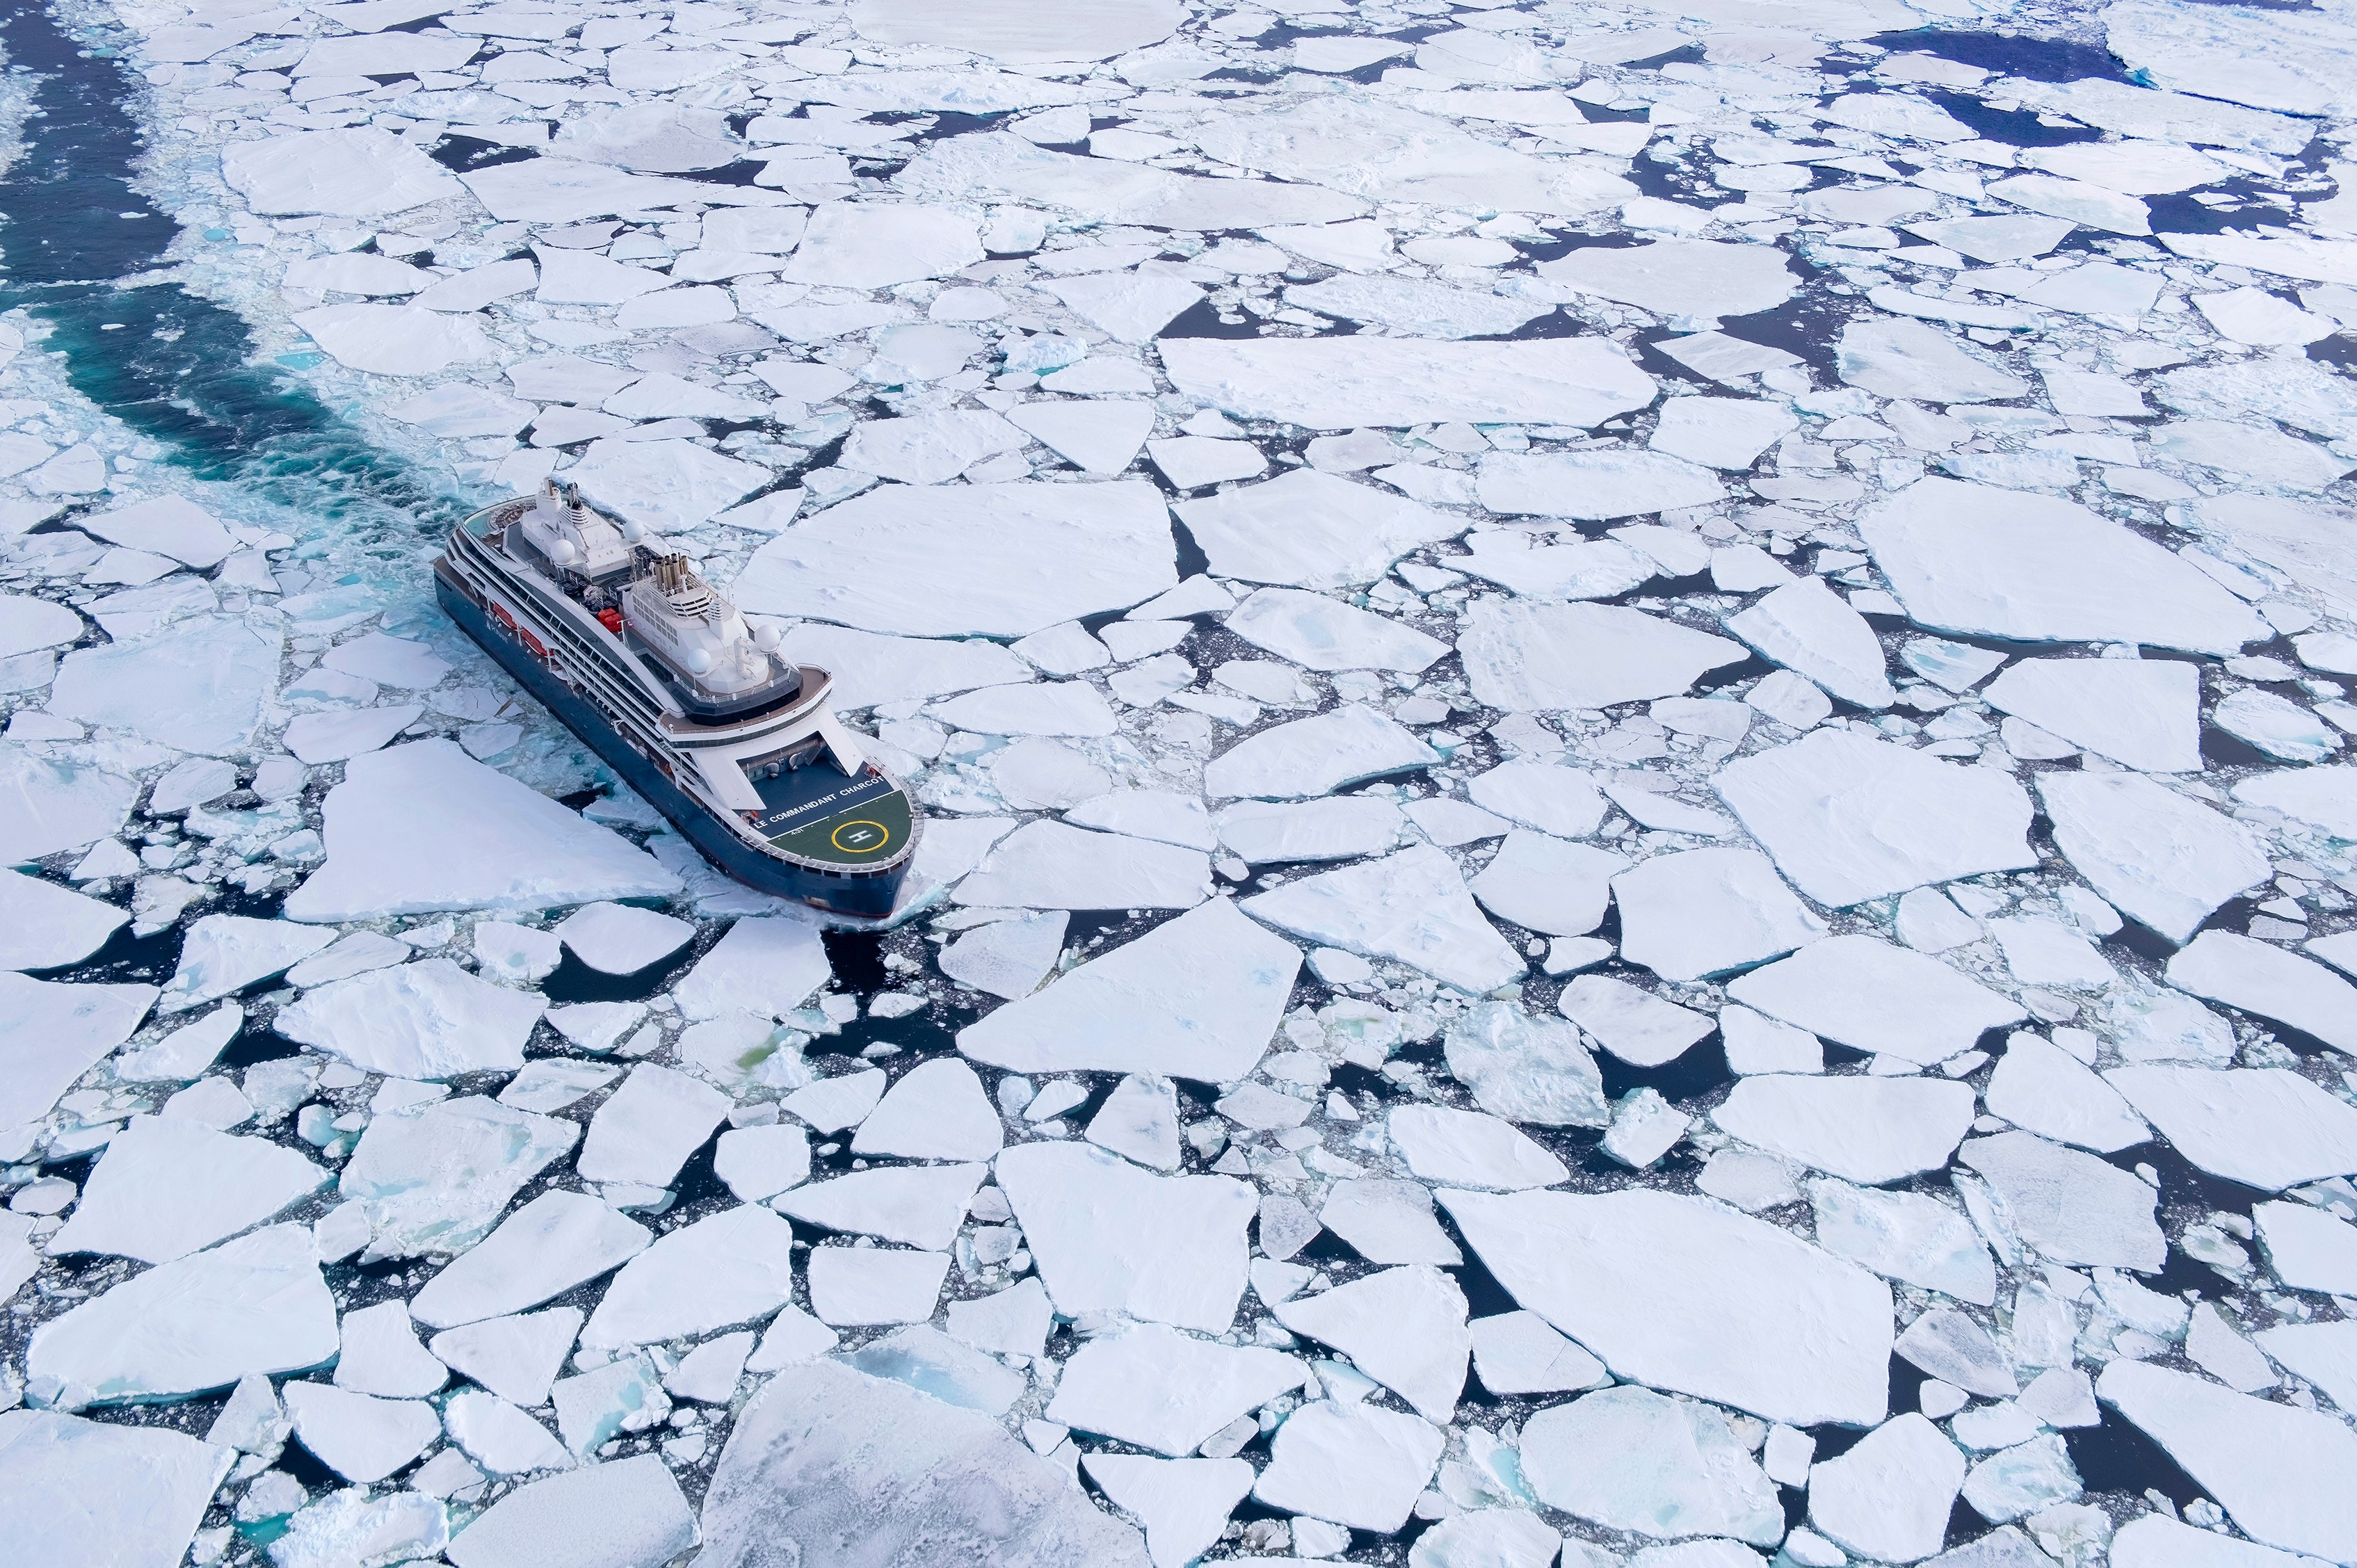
1632,730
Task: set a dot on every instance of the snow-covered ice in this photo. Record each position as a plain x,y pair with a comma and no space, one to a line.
1183,1503
434,1177
2042,1088
1706,911
428,1019
543,1249
1522,656
1049,865
1463,1148
43,926
1633,1460
1849,818
1404,1327
1683,1295
1358,1465
1316,756
1810,631
1412,905
1327,479
1867,1130
1978,560
919,1206
2263,1127
1861,991
858,1287
1887,1499
919,560
165,1187
1633,1023
2143,714
1198,997
1107,1237
2306,1248
621,939
425,827
71,1488
626,1511
832,1455
2158,855
1904,1236
2069,1206
1548,885
1310,530
2269,1466
1162,1389
736,1266
1340,383
199,1322
2243,972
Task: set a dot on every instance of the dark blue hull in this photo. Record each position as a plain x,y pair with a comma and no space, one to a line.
867,895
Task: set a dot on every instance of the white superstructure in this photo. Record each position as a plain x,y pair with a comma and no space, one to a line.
671,669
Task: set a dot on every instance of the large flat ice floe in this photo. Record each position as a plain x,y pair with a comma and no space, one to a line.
1196,998
1681,1294
1108,1236
71,1488
426,827
1342,383
831,1456
1850,819
196,1324
1867,994
1971,558
429,1019
934,562
2161,856
1523,656
1412,906
2268,1465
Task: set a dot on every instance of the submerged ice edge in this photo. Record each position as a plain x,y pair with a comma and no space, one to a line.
1691,910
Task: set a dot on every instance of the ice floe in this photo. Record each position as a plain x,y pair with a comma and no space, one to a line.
2268,1465
1522,656
425,827
929,561
1849,818
2069,1206
1867,1130
167,1186
195,1324
1163,1390
1683,1295
2263,1127
74,1486
1412,905
1969,558
1151,1005
832,1454
1861,991
1675,1469
869,310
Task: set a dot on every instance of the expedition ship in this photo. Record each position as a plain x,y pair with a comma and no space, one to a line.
659,673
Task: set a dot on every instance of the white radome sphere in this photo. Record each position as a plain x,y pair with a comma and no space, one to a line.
562,553
698,660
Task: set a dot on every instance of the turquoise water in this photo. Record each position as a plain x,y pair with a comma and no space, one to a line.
172,366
